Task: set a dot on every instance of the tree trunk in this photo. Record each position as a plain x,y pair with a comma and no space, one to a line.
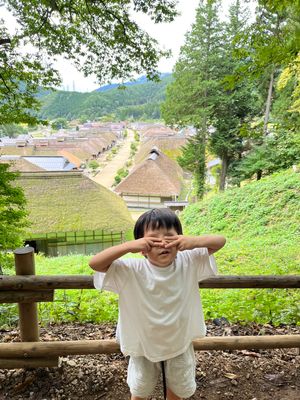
223,173
268,105
258,174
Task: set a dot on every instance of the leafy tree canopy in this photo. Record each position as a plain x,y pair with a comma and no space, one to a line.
12,211
100,38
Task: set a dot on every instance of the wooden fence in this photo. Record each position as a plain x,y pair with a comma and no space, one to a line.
26,289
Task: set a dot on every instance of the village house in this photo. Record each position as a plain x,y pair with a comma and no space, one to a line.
151,183
71,214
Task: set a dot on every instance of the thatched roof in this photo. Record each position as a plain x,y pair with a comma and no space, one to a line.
157,175
159,130
168,145
71,202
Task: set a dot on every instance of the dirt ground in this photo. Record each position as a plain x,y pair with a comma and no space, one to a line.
238,375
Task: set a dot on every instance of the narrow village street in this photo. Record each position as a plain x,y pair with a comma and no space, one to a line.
106,176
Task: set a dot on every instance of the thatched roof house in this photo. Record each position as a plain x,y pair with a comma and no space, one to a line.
170,145
156,180
71,213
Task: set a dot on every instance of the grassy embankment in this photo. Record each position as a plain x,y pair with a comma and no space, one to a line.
261,223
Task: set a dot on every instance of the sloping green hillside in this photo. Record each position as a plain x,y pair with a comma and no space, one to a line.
140,101
269,208
261,222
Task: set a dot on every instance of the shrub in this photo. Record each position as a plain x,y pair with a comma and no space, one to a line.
93,164
117,179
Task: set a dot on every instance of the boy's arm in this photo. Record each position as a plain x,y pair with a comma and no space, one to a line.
102,261
213,243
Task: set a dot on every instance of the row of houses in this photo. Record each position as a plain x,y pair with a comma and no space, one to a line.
70,213
83,148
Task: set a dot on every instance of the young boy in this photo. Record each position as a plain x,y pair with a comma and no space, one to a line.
160,310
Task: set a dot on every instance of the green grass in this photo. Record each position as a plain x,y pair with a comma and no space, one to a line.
261,224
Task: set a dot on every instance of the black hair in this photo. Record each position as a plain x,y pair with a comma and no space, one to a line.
156,219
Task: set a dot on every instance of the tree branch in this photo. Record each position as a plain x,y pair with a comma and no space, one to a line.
4,41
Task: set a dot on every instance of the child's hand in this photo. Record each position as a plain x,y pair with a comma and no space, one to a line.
181,242
145,244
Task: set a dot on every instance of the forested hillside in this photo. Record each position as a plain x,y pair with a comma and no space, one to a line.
138,101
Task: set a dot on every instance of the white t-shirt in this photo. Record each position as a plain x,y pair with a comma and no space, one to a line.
160,309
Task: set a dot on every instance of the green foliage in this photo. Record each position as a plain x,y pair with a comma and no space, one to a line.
12,210
93,164
193,160
266,210
59,123
133,146
277,152
140,101
12,130
200,94
117,179
22,75
122,172
12,215
104,41
274,36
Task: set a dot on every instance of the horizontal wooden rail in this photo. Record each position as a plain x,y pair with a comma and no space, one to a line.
26,296
64,348
42,282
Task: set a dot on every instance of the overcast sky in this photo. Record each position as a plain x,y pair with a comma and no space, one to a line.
169,35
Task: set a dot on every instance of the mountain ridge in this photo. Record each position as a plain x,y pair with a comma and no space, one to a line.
136,102
139,81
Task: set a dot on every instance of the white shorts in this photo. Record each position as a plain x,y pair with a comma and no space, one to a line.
143,374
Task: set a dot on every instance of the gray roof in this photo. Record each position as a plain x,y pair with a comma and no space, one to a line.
51,163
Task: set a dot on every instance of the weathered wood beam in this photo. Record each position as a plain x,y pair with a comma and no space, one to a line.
12,363
63,348
28,314
23,296
41,282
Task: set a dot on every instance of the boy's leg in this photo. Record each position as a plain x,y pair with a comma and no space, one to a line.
172,396
180,374
142,376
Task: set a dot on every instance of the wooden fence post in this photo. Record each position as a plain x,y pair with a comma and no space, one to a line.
28,314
